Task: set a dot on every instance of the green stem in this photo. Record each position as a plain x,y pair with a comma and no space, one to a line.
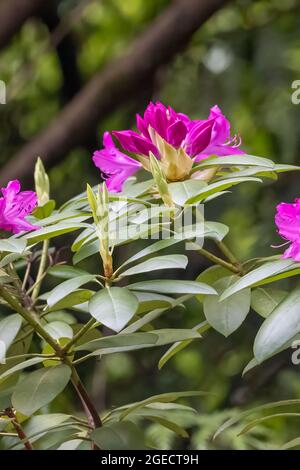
79,334
12,301
41,270
216,260
26,275
78,385
229,255
36,285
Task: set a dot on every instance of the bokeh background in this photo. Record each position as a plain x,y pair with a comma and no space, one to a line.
74,68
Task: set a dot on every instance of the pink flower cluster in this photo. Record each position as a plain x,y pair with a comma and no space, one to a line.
15,206
198,138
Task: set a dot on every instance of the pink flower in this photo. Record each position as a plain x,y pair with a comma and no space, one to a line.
171,126
195,139
115,165
199,138
15,206
287,220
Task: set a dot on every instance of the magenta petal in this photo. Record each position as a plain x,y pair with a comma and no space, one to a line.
142,126
221,129
143,146
293,251
199,137
125,139
108,140
15,206
116,166
160,121
287,219
176,133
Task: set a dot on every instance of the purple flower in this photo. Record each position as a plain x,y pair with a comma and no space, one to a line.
174,139
171,126
115,165
287,219
214,138
199,138
15,206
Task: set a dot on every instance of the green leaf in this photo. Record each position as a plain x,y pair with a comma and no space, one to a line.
251,364
219,186
12,245
265,299
169,425
258,275
58,329
171,335
149,301
226,316
135,190
236,160
42,212
113,307
85,251
213,230
39,388
66,217
63,271
154,314
210,276
11,258
52,231
20,366
76,298
158,263
162,398
84,237
133,341
291,444
67,287
281,168
9,328
180,345
119,436
279,328
257,421
182,191
173,287
244,414
120,342
37,427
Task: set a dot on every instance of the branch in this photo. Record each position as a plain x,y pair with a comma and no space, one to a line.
20,432
13,14
119,81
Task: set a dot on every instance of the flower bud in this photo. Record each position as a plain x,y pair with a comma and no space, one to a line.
100,210
42,185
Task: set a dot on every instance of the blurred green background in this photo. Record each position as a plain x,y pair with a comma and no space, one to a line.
244,59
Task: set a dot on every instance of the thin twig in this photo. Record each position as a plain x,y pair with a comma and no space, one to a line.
216,260
20,432
41,270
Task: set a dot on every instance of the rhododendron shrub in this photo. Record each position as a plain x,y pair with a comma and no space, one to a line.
115,309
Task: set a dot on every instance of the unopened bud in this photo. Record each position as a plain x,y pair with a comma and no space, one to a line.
42,185
100,209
